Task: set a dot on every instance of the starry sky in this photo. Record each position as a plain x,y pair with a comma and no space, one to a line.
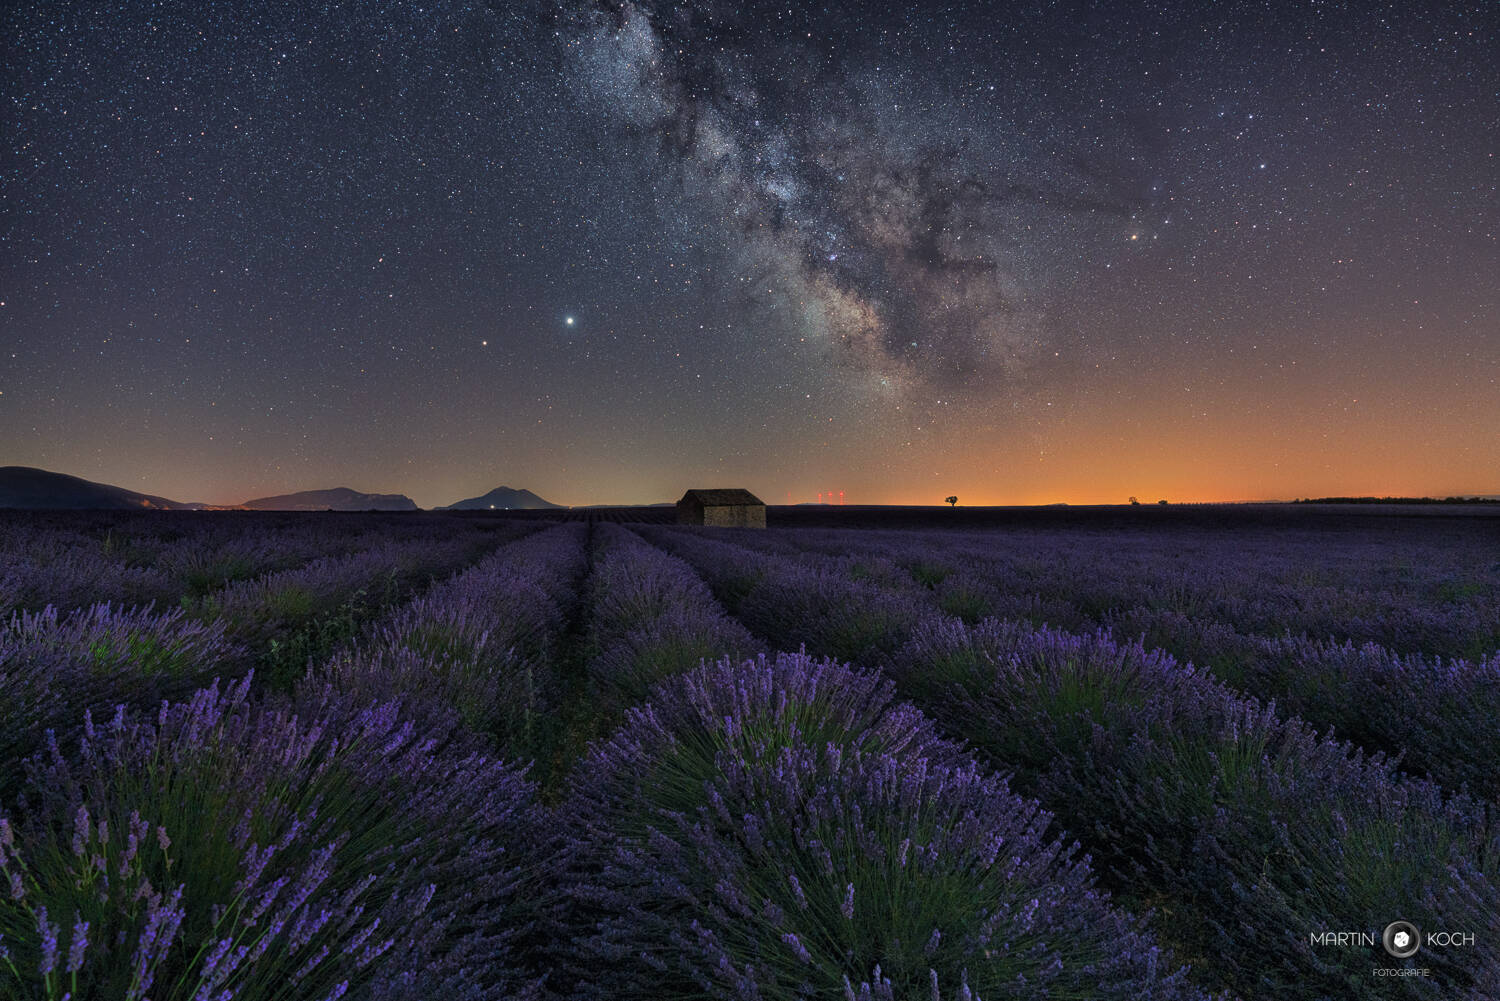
607,251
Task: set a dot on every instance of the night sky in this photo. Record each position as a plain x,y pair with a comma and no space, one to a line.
1064,252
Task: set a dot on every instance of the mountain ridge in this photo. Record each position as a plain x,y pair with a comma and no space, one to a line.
41,489
30,487
332,499
501,499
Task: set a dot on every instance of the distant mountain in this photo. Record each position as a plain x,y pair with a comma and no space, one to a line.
337,499
24,486
502,499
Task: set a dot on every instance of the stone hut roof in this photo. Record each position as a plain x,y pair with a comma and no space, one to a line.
735,497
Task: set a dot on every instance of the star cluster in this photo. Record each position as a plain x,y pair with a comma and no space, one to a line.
607,250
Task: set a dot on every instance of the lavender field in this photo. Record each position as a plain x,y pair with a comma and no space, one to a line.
252,756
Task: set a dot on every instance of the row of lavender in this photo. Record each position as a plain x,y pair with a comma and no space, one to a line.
290,617
780,828
358,833
137,559
1433,589
229,846
1301,659
55,665
656,815
770,829
1245,827
482,652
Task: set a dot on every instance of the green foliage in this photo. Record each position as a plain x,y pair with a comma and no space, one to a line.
313,637
731,588
965,601
207,574
443,640
146,653
810,717
640,662
929,574
289,602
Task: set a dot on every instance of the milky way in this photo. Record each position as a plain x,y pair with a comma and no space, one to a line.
902,231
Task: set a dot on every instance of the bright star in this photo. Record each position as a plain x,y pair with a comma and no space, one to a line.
568,321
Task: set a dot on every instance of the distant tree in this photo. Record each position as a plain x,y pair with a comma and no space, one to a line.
952,501
1135,502
1162,503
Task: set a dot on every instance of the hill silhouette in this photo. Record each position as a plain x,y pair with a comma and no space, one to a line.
502,499
335,499
29,487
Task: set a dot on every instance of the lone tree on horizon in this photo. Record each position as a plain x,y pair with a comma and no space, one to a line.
952,501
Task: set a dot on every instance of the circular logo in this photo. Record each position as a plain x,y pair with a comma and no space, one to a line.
1402,939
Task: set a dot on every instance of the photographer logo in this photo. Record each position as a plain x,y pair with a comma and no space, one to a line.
1401,939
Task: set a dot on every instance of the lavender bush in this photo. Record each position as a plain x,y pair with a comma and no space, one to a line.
1249,828
480,648
1444,728
652,617
1438,716
851,619
730,570
139,558
778,830
73,576
53,667
844,609
228,850
293,617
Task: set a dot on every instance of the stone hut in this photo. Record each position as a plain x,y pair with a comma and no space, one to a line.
722,508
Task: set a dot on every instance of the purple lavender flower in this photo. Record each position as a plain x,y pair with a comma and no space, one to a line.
47,932
791,939
77,944
80,830
797,892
